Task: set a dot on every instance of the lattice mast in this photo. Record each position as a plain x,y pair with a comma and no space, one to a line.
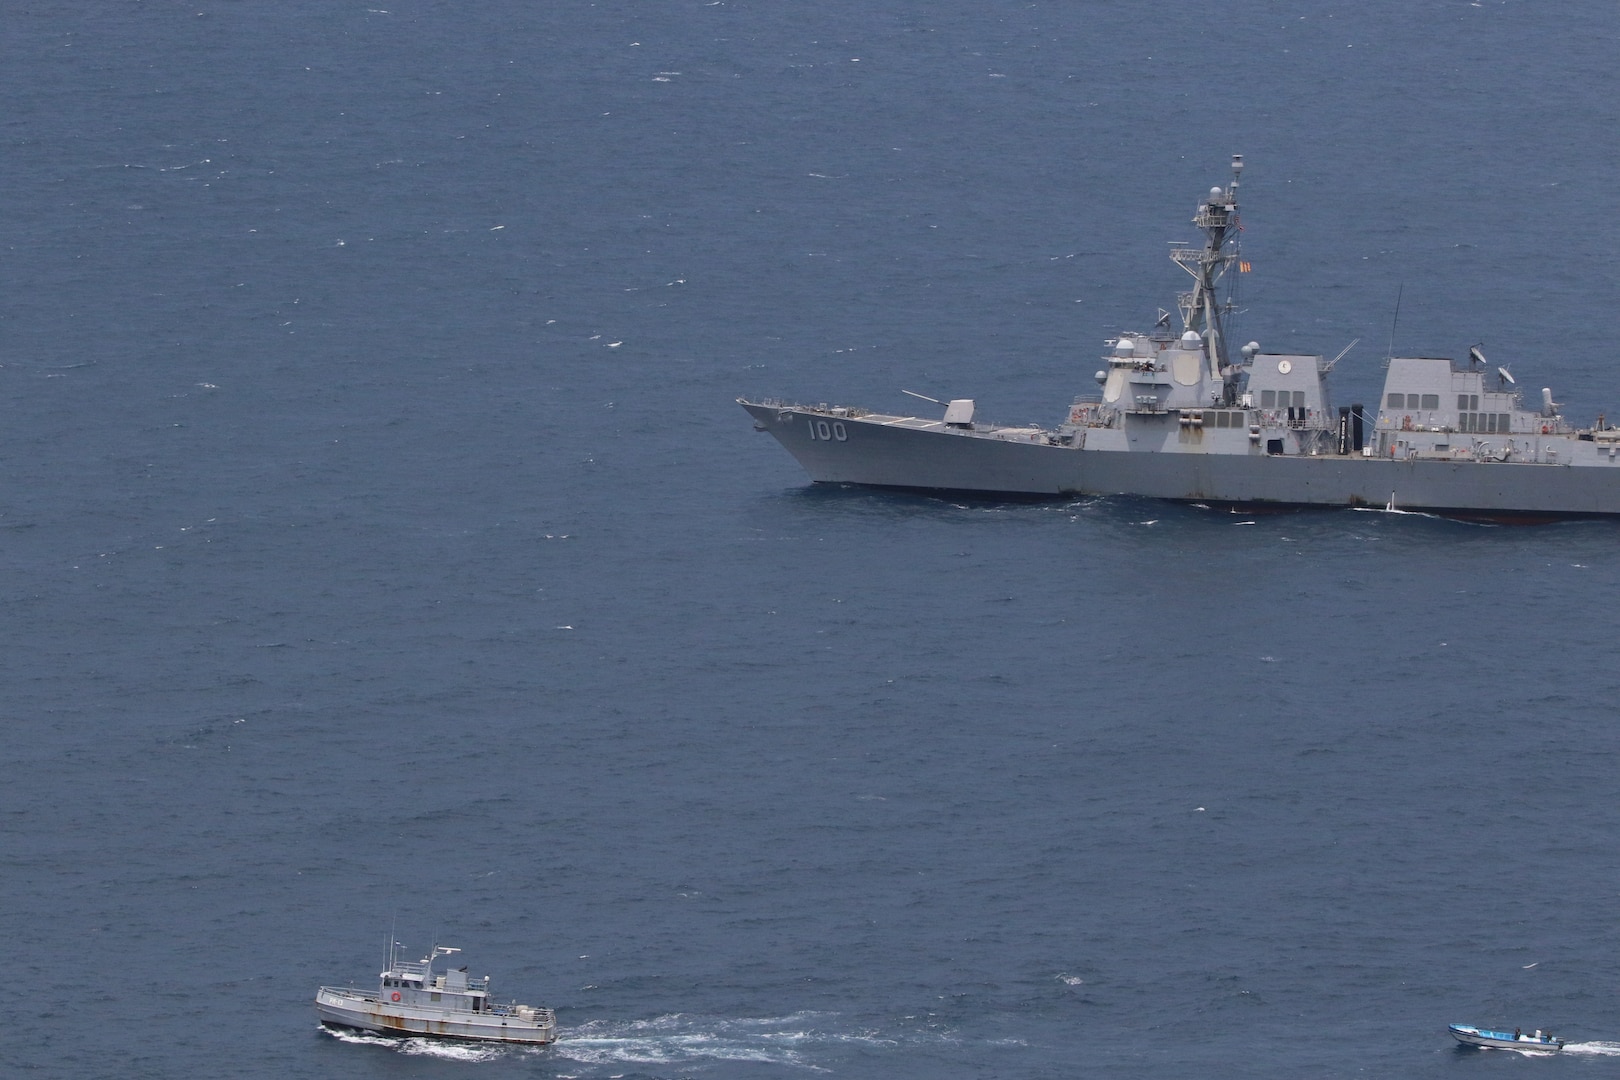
1202,310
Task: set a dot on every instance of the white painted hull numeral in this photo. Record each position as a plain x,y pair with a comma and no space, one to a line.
821,431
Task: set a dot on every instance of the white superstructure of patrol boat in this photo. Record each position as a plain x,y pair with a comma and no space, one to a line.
412,999
1181,416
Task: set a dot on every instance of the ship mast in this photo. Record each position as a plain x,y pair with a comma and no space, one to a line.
1201,310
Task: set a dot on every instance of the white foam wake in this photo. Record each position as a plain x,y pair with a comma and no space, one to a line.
413,1047
797,1040
1599,1049
679,1038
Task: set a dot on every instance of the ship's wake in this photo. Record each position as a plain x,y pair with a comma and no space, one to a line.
797,1040
1396,511
1596,1049
812,1041
417,1047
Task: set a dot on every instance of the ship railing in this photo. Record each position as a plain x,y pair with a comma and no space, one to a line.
442,982
410,971
1299,421
350,991
1194,256
843,412
1090,412
543,1017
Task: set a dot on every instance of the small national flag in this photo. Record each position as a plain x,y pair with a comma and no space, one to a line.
1243,268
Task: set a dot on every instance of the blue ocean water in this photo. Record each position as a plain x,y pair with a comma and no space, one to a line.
383,548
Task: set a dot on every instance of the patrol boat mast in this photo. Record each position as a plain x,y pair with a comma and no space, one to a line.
1201,309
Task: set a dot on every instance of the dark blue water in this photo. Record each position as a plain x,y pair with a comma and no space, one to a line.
382,545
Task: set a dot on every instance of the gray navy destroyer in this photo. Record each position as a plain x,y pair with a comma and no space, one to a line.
1181,417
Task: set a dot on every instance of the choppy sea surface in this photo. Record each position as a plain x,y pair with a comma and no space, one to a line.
383,549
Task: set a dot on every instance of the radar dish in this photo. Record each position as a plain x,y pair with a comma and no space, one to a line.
1507,376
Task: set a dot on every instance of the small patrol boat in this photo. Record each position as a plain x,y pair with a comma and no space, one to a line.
1506,1040
412,999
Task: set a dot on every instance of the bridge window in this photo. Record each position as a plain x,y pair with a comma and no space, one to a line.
1397,401
1430,401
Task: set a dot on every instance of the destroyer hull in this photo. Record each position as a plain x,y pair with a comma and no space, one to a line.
903,452
362,1013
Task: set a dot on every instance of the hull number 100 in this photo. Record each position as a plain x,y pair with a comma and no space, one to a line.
825,432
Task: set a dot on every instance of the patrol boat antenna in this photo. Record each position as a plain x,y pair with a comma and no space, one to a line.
1202,309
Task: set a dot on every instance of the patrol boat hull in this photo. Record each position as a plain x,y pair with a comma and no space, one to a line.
1181,417
343,1008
